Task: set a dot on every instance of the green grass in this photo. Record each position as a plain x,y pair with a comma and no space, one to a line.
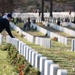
61,54
5,67
54,30
37,33
20,25
31,31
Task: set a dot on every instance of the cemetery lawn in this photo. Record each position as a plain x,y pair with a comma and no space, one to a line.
39,34
53,30
48,28
61,54
36,33
32,31
20,25
5,67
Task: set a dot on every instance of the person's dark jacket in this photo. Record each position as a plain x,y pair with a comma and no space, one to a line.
4,24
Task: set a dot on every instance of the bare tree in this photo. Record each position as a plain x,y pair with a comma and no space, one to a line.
6,6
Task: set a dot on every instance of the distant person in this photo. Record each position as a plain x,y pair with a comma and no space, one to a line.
28,24
16,20
25,25
70,12
73,20
39,13
67,19
58,22
4,24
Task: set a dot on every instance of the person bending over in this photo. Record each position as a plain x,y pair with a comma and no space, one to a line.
4,24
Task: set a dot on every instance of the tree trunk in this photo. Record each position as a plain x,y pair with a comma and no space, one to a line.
42,18
51,8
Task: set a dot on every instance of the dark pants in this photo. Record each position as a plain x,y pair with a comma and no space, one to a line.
4,24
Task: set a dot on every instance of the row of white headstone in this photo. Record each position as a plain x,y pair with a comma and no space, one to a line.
61,38
40,41
69,24
46,42
63,29
45,66
27,36
46,14
46,19
53,20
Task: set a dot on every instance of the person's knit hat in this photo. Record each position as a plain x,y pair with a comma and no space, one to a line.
9,15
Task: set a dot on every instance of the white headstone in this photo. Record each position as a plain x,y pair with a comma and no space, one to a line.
37,60
33,57
41,64
8,39
27,47
19,49
22,48
47,65
30,55
25,51
16,42
53,69
62,72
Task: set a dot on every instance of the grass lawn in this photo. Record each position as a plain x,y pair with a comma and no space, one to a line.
20,25
61,54
5,67
48,28
32,31
54,30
